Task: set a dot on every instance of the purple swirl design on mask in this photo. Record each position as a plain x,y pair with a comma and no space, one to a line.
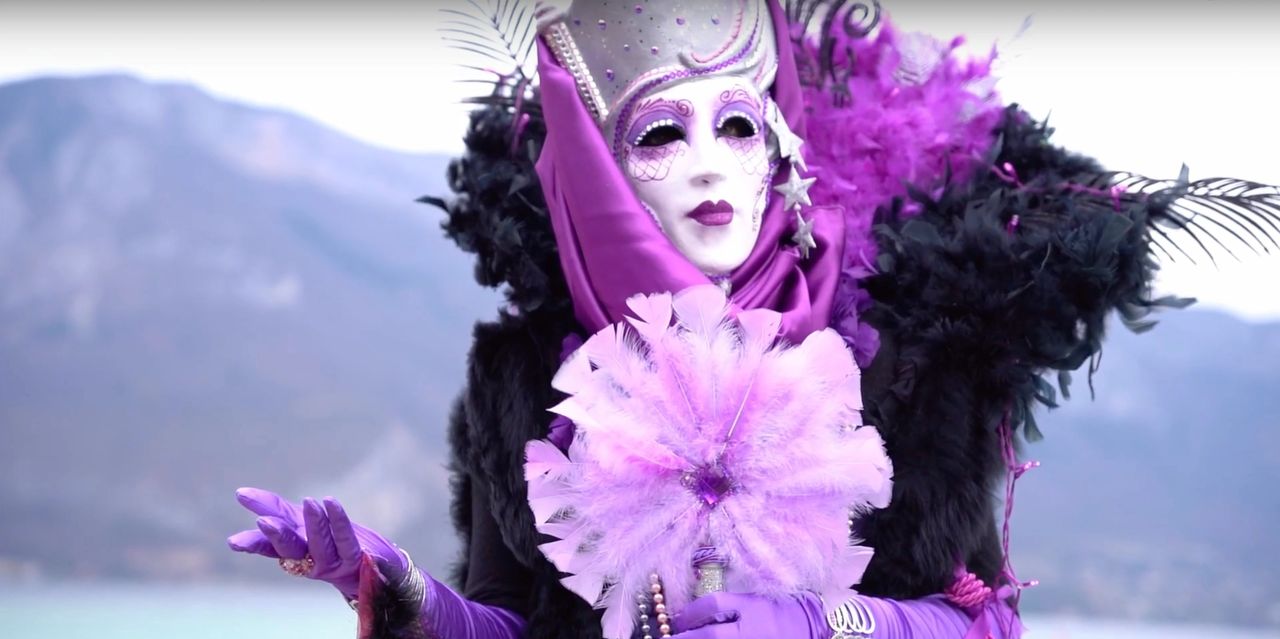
656,109
624,115
739,101
737,28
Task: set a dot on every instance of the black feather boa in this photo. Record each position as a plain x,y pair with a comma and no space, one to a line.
997,282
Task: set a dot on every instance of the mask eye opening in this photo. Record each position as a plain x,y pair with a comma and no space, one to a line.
659,133
736,124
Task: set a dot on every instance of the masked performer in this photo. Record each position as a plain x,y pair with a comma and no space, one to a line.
666,147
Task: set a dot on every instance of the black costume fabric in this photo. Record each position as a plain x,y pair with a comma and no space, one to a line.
996,284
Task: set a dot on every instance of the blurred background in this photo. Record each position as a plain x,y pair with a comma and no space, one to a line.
213,274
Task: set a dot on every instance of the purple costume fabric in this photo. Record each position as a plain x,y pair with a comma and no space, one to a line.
935,616
610,248
731,616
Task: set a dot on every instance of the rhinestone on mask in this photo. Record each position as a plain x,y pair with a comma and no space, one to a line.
651,126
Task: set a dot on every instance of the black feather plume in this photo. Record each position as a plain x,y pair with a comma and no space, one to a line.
1208,212
500,35
833,24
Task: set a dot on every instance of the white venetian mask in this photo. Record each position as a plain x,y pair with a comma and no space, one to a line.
697,156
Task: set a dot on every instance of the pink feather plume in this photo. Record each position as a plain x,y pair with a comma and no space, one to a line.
915,110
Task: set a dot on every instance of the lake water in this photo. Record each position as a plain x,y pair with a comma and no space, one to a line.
312,612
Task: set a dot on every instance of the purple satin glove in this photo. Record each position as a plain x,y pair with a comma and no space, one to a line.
324,532
724,615
735,616
448,615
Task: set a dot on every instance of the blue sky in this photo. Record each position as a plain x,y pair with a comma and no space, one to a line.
1139,88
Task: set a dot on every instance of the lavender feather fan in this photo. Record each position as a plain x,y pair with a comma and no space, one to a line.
694,427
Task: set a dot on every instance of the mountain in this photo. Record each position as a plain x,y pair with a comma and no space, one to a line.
1157,499
197,295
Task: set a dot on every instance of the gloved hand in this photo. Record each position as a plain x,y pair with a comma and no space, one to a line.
323,531
735,616
723,615
337,546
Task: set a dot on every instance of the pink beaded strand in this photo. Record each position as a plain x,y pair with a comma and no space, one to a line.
659,609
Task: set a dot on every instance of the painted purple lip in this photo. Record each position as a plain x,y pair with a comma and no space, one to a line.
713,213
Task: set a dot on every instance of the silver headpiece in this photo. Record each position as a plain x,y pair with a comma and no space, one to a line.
621,51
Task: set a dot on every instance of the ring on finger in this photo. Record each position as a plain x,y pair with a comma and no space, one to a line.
298,567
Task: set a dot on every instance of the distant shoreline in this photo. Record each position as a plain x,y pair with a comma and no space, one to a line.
111,610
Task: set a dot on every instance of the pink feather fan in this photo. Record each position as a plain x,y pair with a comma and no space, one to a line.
693,428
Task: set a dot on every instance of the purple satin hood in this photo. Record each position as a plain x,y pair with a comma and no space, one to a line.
611,249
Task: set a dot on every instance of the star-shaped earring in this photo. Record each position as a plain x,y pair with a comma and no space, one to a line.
788,142
789,147
803,236
796,190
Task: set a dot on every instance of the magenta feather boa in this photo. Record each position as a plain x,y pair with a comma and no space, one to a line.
914,109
